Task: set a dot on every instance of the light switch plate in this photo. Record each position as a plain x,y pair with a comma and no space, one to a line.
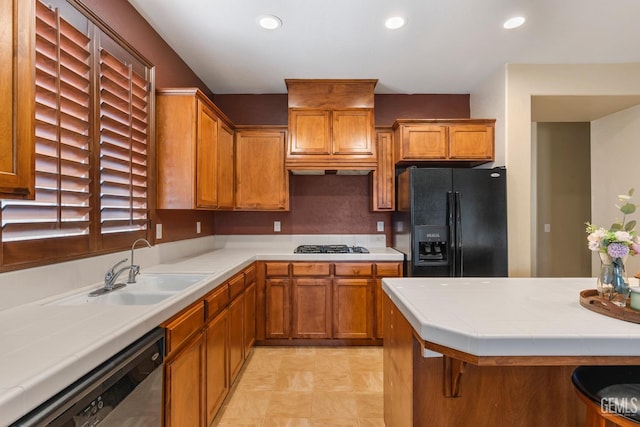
158,231
198,227
380,225
547,228
276,226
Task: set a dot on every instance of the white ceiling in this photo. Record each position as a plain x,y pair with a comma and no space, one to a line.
447,46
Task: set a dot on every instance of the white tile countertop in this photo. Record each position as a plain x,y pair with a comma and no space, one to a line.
45,347
511,317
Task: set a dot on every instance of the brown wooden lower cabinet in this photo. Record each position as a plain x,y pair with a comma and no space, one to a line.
249,317
340,301
206,349
236,336
217,377
277,308
183,385
352,308
311,308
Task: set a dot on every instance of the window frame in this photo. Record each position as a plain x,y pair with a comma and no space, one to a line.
35,252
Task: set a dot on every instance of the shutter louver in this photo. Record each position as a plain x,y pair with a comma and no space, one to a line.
62,202
124,122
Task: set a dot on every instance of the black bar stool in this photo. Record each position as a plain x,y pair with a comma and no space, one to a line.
611,394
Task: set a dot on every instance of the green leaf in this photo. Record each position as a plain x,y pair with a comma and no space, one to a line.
616,227
630,225
631,192
628,208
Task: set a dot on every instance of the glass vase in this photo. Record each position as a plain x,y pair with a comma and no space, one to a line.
613,284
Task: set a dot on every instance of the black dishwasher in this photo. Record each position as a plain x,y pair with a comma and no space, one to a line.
126,390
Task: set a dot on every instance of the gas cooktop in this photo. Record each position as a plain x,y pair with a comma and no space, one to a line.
330,249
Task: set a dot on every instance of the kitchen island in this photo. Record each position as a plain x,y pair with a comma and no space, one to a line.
493,352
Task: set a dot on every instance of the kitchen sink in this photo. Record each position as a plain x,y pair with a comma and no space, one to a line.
163,282
149,289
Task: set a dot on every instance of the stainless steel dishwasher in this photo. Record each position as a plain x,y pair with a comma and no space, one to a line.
124,391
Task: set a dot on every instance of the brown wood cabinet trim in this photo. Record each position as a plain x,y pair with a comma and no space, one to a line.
236,286
350,269
217,300
181,327
310,269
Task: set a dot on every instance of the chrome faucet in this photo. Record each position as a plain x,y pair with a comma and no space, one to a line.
113,273
134,270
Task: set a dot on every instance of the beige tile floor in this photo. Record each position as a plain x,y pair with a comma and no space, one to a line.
307,387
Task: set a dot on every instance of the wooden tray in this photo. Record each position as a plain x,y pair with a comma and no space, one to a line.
589,299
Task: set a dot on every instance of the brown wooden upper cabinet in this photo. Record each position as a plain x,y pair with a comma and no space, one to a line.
262,182
465,140
383,178
331,125
17,93
195,152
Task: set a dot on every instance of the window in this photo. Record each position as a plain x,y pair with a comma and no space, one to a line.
93,131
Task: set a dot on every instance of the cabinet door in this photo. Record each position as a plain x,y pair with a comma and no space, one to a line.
262,182
17,107
236,336
422,142
310,132
383,269
217,377
384,176
225,166
352,132
352,308
207,137
470,142
312,308
249,317
184,385
277,308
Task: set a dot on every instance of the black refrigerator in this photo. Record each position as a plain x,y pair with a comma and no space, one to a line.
452,222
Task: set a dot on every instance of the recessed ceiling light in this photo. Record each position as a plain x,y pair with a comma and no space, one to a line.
514,22
394,22
269,22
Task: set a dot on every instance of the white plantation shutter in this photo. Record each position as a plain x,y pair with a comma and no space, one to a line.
62,202
124,123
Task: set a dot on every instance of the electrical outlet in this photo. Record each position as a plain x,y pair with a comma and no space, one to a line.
158,231
198,227
380,226
276,226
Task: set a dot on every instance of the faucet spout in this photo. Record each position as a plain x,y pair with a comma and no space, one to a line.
134,269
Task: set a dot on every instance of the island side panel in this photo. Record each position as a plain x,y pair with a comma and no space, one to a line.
398,367
495,396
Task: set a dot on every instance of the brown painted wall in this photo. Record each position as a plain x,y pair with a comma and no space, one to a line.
328,204
124,19
271,109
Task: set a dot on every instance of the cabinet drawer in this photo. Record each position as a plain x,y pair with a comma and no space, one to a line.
388,269
236,286
217,300
353,269
250,275
184,325
310,269
277,268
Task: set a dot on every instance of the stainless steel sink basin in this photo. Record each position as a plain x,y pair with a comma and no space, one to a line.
149,289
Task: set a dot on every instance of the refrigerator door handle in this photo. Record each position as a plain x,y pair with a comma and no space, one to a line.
459,249
451,226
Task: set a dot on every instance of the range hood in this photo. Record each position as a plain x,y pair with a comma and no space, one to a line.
331,127
331,171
